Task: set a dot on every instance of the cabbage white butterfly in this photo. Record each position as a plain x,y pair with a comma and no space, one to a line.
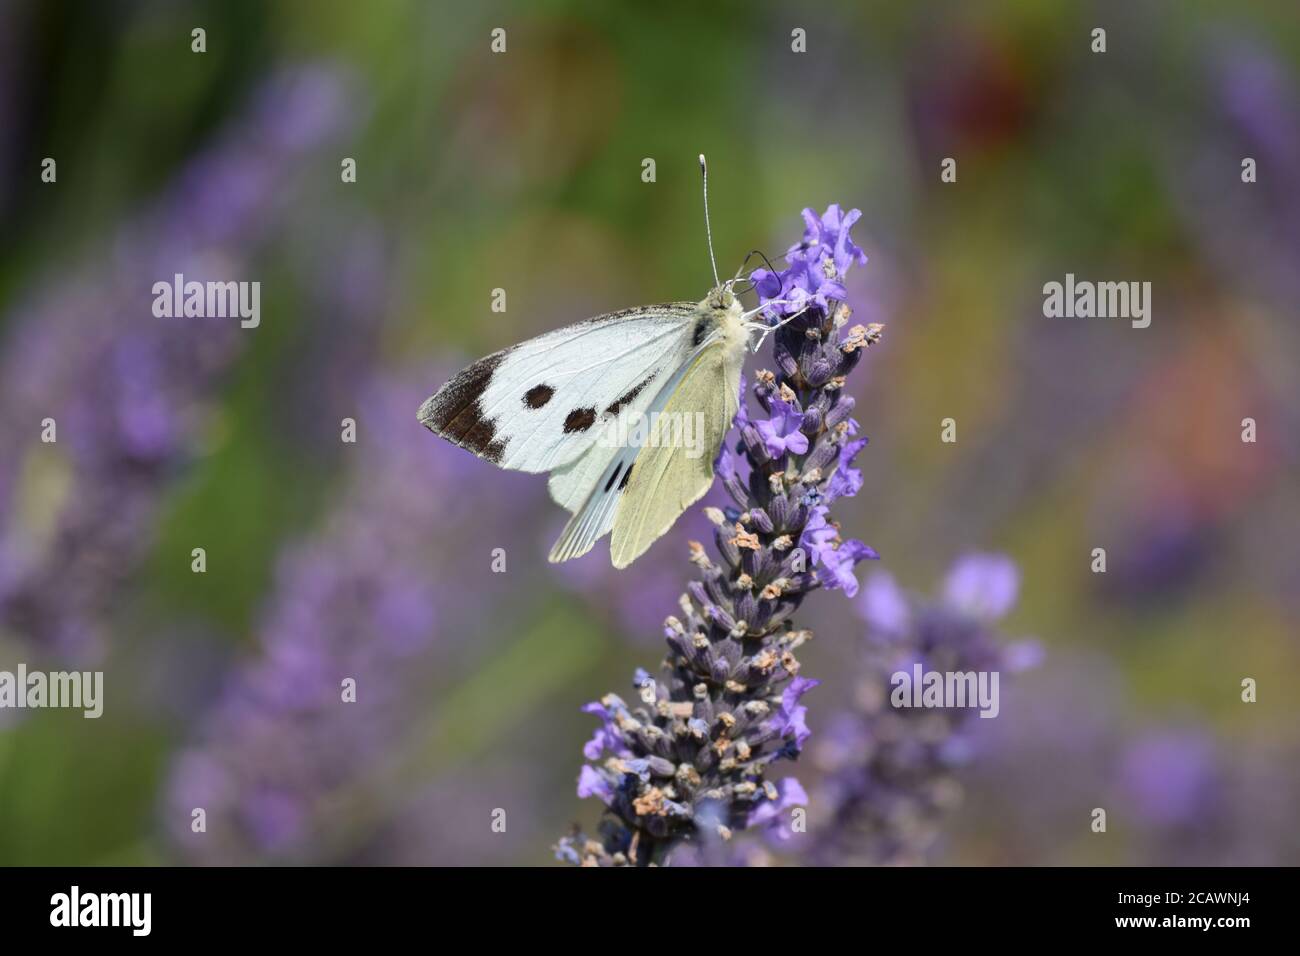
664,380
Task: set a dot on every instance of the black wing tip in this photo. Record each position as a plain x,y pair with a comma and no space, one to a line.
426,415
454,413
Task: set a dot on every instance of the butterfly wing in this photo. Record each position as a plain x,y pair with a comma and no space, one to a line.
665,479
591,485
535,406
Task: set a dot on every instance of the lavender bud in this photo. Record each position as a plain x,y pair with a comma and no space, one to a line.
812,422
717,590
754,445
721,617
841,410
778,510
820,371
747,609
789,367
737,491
821,457
724,539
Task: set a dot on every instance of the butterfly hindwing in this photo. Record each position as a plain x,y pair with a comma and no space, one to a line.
536,406
666,479
595,486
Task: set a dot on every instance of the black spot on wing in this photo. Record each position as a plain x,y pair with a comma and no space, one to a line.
456,414
626,475
579,420
538,395
618,404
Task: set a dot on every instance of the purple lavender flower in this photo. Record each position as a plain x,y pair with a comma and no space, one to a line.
686,763
831,234
792,717
847,480
771,813
818,264
891,772
781,432
281,758
836,571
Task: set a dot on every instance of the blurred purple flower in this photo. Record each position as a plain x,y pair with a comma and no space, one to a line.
365,599
983,585
884,605
129,392
891,771
1258,94
1171,776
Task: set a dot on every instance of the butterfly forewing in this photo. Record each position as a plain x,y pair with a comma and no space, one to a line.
539,406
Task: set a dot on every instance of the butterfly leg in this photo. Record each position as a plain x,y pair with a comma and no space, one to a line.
769,329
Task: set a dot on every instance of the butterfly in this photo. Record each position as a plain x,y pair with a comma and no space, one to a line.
627,412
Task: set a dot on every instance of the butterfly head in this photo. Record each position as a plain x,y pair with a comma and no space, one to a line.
723,296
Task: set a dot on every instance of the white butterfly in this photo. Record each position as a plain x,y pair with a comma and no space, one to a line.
579,402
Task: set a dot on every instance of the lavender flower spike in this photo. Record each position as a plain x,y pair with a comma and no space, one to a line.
891,772
686,761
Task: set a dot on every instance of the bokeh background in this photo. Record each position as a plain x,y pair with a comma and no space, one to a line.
522,171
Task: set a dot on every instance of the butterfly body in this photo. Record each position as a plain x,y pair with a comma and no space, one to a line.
575,403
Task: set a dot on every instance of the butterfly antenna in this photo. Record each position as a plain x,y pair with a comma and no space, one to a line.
708,230
741,271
